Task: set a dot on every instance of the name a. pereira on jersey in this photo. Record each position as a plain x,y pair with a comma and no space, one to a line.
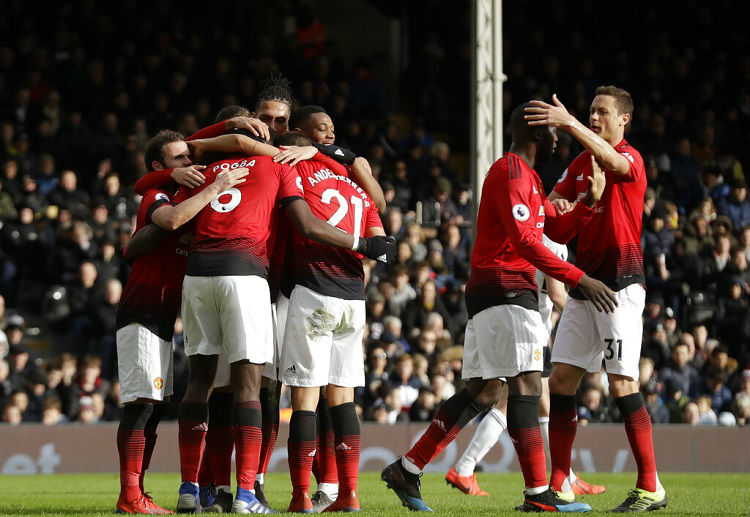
327,174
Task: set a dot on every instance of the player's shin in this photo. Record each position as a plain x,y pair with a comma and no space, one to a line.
346,445
269,403
193,424
563,423
149,432
452,416
523,428
246,422
638,429
131,443
219,441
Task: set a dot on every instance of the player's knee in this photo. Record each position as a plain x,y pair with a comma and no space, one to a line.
622,387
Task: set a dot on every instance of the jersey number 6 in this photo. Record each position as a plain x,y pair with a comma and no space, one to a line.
231,204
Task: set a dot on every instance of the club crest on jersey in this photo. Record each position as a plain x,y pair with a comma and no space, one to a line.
158,383
537,354
162,195
521,212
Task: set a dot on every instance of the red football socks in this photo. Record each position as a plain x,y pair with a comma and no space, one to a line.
270,428
452,416
638,429
193,425
563,424
347,439
247,437
524,431
325,458
131,444
301,447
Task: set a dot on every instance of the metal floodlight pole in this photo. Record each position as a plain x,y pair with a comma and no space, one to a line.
486,89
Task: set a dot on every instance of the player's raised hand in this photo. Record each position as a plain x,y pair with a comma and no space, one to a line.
190,177
380,248
254,125
597,180
553,115
600,295
562,206
228,179
294,154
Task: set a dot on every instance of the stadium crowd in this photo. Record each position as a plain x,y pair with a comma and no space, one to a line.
76,109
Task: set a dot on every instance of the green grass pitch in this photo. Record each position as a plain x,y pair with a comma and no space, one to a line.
96,494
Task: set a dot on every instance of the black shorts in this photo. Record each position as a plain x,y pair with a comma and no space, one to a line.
547,368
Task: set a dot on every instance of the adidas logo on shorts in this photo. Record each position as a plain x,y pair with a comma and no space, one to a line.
292,369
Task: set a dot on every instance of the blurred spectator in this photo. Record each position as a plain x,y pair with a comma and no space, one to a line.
736,205
424,408
679,370
741,409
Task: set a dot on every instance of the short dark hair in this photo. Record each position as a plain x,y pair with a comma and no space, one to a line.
623,100
230,112
155,147
292,138
275,88
303,114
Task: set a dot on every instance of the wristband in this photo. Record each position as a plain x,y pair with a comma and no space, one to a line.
356,243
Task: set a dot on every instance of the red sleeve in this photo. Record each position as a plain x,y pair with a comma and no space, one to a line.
373,217
637,167
566,185
290,184
153,199
513,205
153,179
562,228
217,129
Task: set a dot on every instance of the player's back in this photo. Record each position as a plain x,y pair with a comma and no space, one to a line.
152,294
337,199
498,272
609,245
231,231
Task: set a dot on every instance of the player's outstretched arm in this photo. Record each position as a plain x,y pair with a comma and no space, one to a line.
143,241
232,143
556,115
254,125
362,174
169,217
190,177
380,248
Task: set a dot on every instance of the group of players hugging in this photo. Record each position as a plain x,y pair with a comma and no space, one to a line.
259,248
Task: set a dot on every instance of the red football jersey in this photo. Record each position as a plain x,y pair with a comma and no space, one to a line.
153,292
231,231
335,198
609,245
513,214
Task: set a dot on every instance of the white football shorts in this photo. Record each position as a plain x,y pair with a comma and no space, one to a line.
229,313
504,341
586,336
144,363
323,341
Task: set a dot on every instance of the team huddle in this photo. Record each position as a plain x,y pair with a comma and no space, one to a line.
260,252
